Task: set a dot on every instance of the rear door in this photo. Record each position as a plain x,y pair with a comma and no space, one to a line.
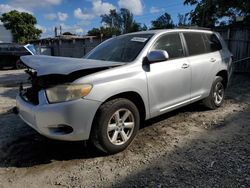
203,59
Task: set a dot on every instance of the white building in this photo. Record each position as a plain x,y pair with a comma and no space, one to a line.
5,35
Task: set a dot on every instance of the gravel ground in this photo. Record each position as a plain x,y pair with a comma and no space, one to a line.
190,147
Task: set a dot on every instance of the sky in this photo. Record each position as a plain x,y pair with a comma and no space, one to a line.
79,16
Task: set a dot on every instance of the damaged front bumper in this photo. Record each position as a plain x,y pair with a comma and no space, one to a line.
69,121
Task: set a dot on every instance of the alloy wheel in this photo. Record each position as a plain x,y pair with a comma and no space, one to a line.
120,126
218,93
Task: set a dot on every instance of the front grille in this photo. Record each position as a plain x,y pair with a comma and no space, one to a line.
30,94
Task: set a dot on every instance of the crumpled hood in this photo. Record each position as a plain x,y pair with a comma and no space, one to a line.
45,65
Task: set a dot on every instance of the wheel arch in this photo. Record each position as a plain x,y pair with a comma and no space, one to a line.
224,75
133,97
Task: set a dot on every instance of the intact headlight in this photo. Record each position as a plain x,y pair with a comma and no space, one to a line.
68,92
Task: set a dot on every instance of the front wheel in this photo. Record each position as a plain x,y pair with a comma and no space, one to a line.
115,125
217,94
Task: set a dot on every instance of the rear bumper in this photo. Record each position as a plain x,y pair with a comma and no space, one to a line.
48,118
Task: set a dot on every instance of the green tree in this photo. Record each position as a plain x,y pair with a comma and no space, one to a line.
204,14
105,32
113,19
109,31
127,21
138,27
68,33
209,13
183,20
94,32
22,26
163,22
121,22
143,27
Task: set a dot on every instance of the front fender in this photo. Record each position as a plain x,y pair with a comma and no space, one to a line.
114,81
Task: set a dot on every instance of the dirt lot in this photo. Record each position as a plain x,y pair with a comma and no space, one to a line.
190,147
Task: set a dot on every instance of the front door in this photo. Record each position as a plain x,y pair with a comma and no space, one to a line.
169,82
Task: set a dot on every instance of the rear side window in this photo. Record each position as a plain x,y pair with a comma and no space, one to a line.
195,43
170,43
212,43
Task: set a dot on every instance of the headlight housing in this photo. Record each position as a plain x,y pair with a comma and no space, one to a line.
67,92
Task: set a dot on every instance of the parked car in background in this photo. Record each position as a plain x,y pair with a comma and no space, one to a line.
122,82
10,54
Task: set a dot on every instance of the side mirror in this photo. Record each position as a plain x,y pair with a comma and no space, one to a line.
157,56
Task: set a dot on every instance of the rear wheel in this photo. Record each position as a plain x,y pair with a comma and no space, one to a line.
217,94
115,126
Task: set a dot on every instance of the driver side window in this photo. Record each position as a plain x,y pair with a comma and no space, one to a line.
170,43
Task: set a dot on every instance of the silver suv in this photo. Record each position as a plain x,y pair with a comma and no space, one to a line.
125,80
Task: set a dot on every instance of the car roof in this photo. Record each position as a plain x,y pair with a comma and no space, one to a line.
160,31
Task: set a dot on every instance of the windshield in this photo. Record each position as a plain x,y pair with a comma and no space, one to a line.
31,49
120,49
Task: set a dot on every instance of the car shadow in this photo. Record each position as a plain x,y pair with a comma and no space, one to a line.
207,159
195,107
21,146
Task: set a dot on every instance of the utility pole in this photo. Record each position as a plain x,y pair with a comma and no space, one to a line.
55,31
60,30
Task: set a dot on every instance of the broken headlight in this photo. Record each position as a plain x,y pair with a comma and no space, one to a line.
67,92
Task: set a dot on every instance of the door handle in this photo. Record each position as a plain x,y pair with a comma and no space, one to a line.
185,65
212,60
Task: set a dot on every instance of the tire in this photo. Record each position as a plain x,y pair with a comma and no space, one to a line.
110,133
19,65
217,94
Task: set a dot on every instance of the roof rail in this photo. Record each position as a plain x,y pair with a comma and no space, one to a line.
194,27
